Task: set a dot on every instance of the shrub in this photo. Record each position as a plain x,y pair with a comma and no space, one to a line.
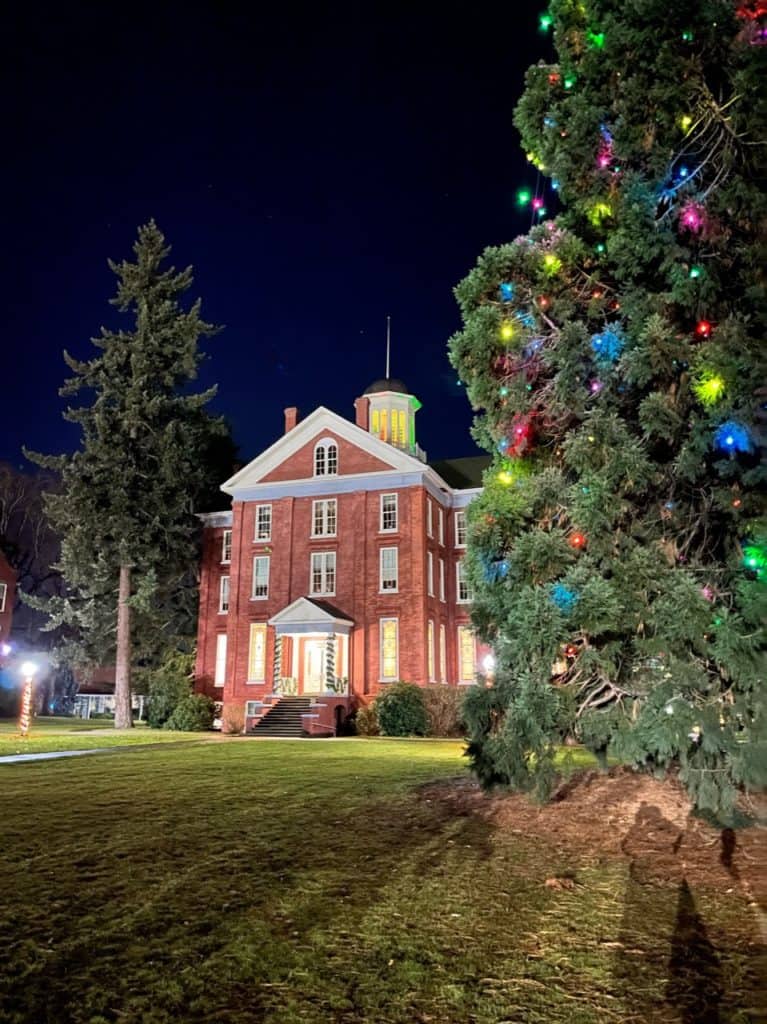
443,710
232,719
193,713
366,720
168,684
401,711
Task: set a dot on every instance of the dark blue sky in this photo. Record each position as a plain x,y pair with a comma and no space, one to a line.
319,170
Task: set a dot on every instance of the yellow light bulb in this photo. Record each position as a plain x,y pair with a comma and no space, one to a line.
552,263
507,331
685,123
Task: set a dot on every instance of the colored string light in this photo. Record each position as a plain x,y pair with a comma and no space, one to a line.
732,437
703,329
710,388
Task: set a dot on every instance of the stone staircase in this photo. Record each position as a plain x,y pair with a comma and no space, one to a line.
283,718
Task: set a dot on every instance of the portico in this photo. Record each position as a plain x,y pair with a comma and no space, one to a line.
311,649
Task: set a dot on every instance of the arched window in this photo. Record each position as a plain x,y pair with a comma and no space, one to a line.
326,458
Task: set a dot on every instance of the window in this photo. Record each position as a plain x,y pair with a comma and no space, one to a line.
429,517
389,580
253,707
389,641
402,440
430,650
442,579
430,573
3,595
220,671
260,577
460,528
389,522
326,459
257,653
442,654
226,546
263,522
375,422
324,518
323,573
462,590
384,427
441,524
467,661
223,595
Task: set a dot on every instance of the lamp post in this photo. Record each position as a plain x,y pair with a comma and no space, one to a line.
28,670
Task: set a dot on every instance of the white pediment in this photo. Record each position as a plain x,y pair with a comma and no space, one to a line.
320,420
305,615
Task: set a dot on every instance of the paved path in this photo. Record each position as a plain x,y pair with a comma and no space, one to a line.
18,758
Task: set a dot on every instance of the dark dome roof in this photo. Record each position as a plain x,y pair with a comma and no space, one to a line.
386,384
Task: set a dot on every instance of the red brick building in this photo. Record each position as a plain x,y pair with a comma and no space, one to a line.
7,598
338,568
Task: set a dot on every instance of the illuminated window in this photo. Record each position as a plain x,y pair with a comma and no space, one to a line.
467,659
257,653
388,513
384,425
226,546
260,577
223,594
324,518
430,650
460,528
389,642
375,422
220,670
402,429
263,522
442,579
323,573
442,654
463,590
389,580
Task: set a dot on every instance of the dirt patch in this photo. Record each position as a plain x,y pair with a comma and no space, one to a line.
626,815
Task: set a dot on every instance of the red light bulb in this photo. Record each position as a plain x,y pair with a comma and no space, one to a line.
577,540
703,329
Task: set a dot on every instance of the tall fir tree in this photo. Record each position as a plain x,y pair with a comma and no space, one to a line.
125,511
615,355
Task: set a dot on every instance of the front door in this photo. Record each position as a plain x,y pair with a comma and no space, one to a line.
314,666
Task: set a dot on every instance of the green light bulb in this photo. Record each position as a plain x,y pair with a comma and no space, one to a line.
545,22
523,197
695,272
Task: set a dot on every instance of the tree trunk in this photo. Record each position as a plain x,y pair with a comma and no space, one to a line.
123,716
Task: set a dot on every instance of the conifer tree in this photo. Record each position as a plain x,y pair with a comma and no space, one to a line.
125,510
615,355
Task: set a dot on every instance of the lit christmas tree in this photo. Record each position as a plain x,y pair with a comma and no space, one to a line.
615,354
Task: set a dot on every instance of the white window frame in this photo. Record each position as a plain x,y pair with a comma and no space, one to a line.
253,595
223,595
441,525
459,583
383,528
256,628
219,671
324,504
326,458
390,678
429,517
384,579
325,557
430,650
226,547
430,573
461,678
442,653
250,708
460,527
258,536
442,596
3,595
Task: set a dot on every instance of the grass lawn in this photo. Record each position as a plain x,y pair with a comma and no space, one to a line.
49,734
318,881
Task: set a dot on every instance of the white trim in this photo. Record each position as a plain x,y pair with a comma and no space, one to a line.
325,502
219,670
250,707
381,588
3,595
381,677
228,533
324,571
462,680
441,525
429,517
324,445
430,651
303,613
252,629
429,574
458,598
213,519
442,653
442,592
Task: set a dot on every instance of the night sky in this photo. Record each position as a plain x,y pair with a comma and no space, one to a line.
320,170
